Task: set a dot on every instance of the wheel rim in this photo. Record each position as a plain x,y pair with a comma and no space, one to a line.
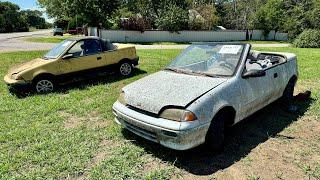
125,69
44,86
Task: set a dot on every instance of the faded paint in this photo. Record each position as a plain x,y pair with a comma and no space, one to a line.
204,96
167,89
59,66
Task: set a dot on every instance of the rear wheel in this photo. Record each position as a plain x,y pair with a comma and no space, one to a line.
44,85
287,96
125,68
215,135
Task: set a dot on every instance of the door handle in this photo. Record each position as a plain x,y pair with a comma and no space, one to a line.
99,58
275,75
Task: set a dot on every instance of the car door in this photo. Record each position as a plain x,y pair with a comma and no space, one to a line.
254,92
279,78
110,53
82,56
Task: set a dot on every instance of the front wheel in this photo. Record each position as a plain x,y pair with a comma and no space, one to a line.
215,135
45,85
125,69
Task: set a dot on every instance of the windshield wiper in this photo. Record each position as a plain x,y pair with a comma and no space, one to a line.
190,72
203,74
175,70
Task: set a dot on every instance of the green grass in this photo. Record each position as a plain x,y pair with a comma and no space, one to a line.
266,42
37,141
50,39
33,29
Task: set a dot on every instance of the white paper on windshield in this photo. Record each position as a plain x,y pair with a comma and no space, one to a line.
230,49
67,43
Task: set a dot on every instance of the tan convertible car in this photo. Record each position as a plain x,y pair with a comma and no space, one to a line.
70,60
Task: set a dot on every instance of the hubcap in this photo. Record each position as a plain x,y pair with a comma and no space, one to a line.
125,69
44,86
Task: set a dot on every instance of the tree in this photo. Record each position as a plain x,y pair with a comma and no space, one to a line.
203,16
11,19
270,16
34,18
172,19
298,16
314,15
92,11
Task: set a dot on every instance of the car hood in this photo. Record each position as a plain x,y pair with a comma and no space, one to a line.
164,88
27,65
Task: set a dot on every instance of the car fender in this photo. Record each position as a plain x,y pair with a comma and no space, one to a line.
206,107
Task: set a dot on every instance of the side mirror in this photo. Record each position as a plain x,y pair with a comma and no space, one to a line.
254,73
67,56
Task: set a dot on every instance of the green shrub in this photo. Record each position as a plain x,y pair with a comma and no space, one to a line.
309,38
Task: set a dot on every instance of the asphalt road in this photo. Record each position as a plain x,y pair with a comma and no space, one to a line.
10,42
14,41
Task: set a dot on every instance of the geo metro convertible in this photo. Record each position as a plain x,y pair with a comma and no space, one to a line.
208,87
73,59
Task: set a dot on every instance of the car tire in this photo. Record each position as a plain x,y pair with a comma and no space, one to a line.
125,68
287,97
44,85
215,134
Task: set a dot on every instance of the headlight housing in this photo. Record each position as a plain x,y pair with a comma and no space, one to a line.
180,115
16,76
121,98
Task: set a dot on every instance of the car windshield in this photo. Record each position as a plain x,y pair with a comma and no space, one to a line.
58,49
57,29
208,59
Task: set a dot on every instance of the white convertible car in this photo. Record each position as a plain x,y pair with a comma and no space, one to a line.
206,88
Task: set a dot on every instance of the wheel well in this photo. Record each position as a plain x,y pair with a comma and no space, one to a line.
124,60
229,113
294,78
41,76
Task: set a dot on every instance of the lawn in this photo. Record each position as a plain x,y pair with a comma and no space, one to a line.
49,39
71,133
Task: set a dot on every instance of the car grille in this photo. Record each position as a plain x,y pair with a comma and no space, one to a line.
140,131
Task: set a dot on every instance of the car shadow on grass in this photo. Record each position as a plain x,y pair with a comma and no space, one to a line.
240,140
105,78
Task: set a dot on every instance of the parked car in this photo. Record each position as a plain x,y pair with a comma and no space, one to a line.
75,58
57,31
205,89
76,31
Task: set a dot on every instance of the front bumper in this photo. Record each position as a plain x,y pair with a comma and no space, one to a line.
171,134
16,84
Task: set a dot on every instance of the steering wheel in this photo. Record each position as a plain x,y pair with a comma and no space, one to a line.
226,64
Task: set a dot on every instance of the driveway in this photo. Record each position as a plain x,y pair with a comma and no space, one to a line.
14,41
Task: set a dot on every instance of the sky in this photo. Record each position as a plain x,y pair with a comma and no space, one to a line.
29,4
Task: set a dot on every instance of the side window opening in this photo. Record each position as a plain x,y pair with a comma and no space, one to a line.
91,47
263,61
77,50
85,48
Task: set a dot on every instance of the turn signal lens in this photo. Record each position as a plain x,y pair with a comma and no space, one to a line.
189,116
